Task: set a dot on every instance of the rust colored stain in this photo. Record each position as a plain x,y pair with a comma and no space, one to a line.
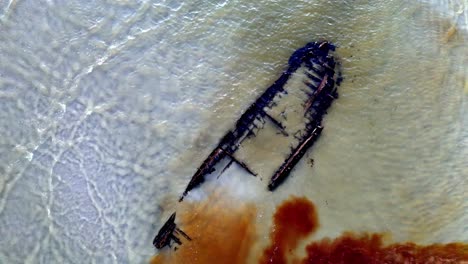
221,232
368,248
294,220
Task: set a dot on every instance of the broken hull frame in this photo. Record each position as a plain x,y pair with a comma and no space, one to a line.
315,57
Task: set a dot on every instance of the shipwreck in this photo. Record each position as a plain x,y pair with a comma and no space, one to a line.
319,76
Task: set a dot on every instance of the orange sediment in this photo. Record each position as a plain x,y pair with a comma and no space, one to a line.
296,218
223,231
293,221
368,248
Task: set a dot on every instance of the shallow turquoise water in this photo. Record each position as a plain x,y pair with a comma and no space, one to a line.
108,107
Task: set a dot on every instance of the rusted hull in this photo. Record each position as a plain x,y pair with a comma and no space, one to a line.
207,167
315,56
283,172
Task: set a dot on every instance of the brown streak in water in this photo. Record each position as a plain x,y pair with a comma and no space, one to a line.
368,248
296,218
293,221
222,230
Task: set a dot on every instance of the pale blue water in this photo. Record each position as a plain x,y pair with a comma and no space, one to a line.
107,108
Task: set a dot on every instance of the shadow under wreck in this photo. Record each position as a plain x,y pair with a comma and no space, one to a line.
315,65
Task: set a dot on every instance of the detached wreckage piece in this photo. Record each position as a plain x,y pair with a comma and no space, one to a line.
167,233
319,69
